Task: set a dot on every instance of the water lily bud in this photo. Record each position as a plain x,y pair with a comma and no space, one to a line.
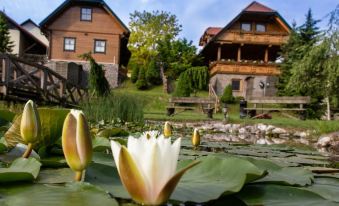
167,129
30,126
196,138
77,142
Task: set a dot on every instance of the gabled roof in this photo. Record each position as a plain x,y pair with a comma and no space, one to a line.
257,7
50,18
253,7
29,21
23,30
213,30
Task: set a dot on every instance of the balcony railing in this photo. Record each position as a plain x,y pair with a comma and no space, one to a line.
244,67
274,38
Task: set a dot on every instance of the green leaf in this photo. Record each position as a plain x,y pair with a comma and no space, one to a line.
112,132
3,145
51,127
101,144
54,162
6,115
204,182
72,194
283,175
278,195
21,169
55,176
326,187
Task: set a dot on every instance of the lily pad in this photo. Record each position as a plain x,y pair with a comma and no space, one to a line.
55,176
51,127
73,194
101,144
207,181
21,169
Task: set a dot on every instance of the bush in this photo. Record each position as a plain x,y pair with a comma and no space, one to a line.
126,108
227,97
183,88
153,73
135,73
142,83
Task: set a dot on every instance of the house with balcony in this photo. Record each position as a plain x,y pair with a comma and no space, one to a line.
81,26
245,52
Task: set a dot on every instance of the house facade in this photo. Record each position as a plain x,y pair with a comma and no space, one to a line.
24,43
35,30
81,26
245,52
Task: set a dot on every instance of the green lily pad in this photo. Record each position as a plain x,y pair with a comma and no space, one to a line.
55,176
21,169
73,194
54,162
206,181
101,144
6,115
278,195
326,187
112,132
52,121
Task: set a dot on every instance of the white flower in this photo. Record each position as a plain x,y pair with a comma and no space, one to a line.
152,133
147,167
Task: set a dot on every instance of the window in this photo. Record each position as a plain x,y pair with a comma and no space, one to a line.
260,27
69,44
236,84
246,26
99,46
86,14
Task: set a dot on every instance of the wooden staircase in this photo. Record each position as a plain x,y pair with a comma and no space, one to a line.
213,95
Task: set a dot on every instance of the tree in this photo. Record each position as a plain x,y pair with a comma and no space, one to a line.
147,29
6,44
98,83
309,30
227,97
153,73
135,72
142,83
192,80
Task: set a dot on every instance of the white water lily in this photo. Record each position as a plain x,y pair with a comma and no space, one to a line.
147,167
152,133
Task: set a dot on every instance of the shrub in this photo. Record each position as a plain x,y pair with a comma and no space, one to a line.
116,106
153,73
135,73
142,83
227,97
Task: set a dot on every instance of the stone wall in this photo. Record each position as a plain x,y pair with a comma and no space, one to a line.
249,84
61,67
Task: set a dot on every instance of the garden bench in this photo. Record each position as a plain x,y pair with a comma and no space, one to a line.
190,103
285,100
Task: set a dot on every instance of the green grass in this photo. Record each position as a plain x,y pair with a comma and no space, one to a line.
155,102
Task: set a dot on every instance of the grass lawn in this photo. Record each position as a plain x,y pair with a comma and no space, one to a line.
155,102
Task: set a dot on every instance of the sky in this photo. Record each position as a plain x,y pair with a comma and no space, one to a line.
194,15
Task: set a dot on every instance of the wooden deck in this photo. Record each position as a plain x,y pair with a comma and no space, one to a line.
22,80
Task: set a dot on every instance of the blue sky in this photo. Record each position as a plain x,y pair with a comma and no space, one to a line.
194,15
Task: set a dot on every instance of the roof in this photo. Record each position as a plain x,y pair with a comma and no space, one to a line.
29,21
22,29
253,7
68,3
213,30
257,7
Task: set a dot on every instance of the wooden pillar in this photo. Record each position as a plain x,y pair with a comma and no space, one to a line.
239,54
219,53
266,55
43,80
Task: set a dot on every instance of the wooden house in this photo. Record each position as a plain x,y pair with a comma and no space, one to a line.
24,43
35,30
245,52
81,26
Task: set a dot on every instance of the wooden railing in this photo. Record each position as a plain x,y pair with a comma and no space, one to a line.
22,80
255,37
212,94
248,68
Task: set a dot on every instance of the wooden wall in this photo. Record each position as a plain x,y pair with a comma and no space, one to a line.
103,26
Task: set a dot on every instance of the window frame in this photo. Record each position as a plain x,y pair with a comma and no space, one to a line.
88,20
75,43
239,85
249,23
99,52
262,24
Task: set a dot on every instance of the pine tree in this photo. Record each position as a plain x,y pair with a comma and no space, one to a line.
6,44
142,83
153,73
227,97
309,31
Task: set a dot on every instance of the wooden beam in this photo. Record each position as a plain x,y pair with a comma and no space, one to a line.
239,54
219,53
266,55
282,24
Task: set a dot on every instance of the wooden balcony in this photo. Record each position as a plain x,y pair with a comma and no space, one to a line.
245,68
253,38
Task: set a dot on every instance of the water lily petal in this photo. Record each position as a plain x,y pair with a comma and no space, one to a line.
69,144
168,189
131,178
116,147
30,123
83,140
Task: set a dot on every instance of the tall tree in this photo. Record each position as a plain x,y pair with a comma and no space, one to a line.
6,44
147,29
309,30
